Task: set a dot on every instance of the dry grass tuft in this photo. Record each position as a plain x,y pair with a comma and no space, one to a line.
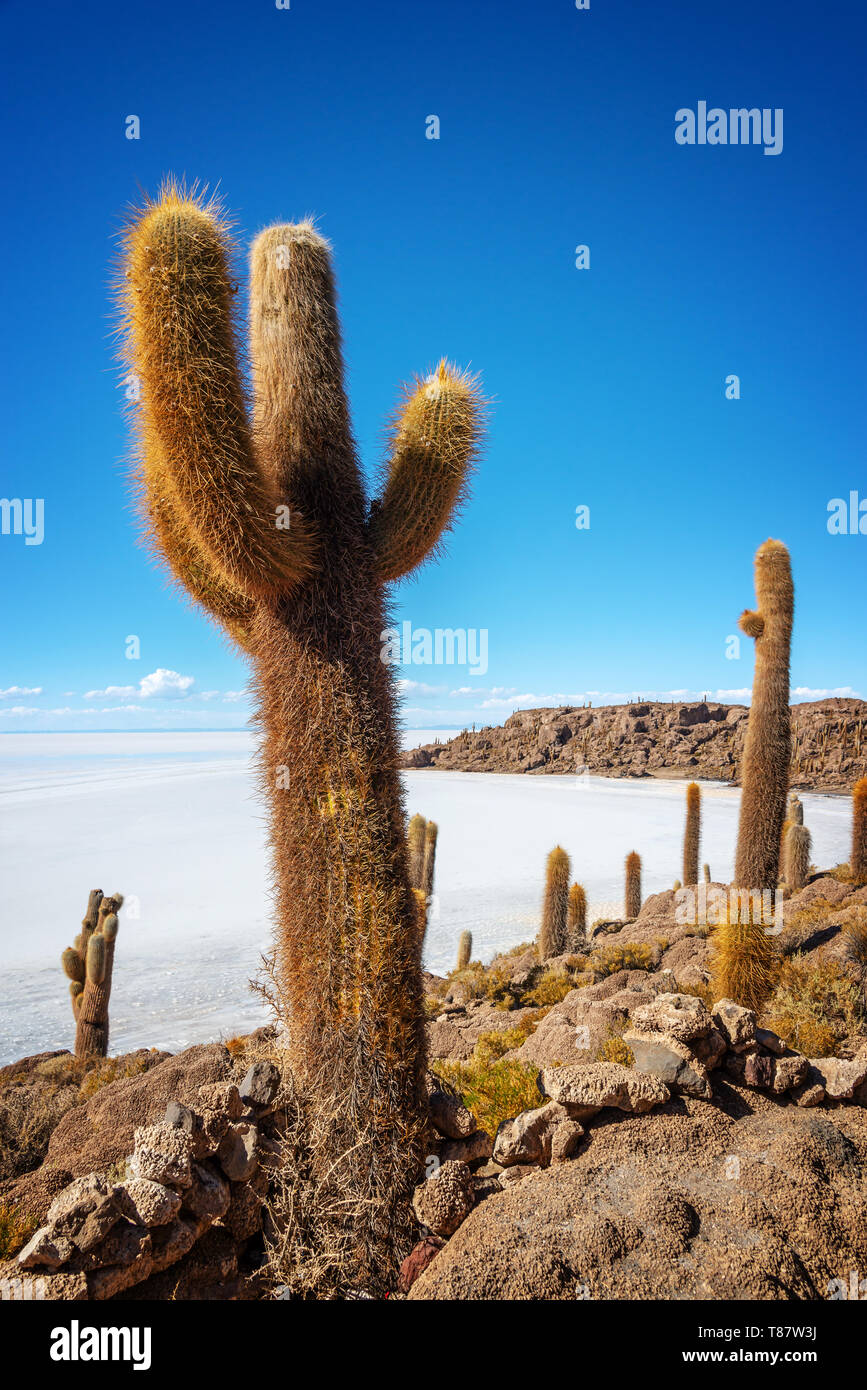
493,1091
15,1230
815,1006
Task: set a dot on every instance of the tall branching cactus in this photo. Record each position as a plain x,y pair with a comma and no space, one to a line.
692,834
553,932
768,748
89,964
262,516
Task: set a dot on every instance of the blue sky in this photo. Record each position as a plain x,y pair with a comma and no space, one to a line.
557,129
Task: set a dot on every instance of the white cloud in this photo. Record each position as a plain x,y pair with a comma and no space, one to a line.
407,687
232,697
841,692
18,712
161,684
17,692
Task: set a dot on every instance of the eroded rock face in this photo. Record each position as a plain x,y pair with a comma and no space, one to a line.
655,1209
703,740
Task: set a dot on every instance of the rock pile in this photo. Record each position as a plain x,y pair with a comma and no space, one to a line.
188,1199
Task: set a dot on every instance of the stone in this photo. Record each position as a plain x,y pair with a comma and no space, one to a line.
181,1117
566,1140
146,1203
737,1024
515,1174
260,1085
417,1261
243,1217
84,1212
528,1138
208,1195
759,1071
124,1244
670,1062
476,1147
585,1088
789,1073
237,1152
809,1095
450,1116
679,1016
163,1154
45,1250
445,1199
711,1050
841,1078
485,1187
224,1099
770,1041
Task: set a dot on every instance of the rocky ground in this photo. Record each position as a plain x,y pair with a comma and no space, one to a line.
602,1127
701,740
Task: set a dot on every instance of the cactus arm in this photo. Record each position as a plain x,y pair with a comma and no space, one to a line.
181,345
302,431
436,440
752,623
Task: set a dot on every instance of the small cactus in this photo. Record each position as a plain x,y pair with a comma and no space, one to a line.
552,933
465,949
430,854
745,960
88,965
692,834
633,885
421,851
797,858
858,864
415,848
707,877
576,917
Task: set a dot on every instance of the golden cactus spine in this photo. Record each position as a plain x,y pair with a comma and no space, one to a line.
553,931
858,857
768,747
264,520
89,965
576,917
633,885
692,834
465,949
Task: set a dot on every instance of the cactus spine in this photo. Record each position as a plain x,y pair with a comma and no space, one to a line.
692,834
264,521
633,885
768,748
576,917
797,858
858,864
465,949
553,933
89,965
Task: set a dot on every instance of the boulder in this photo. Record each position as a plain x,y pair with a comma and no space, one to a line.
445,1199
477,1147
840,1078
260,1085
417,1261
682,1017
586,1088
449,1114
529,1137
84,1212
145,1202
237,1152
163,1154
737,1024
672,1063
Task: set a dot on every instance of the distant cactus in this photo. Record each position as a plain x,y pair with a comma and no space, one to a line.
415,849
677,885
795,812
89,964
707,877
768,748
858,864
553,931
576,917
797,858
430,854
633,885
465,949
692,834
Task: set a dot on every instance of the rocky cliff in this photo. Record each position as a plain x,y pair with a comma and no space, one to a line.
654,739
